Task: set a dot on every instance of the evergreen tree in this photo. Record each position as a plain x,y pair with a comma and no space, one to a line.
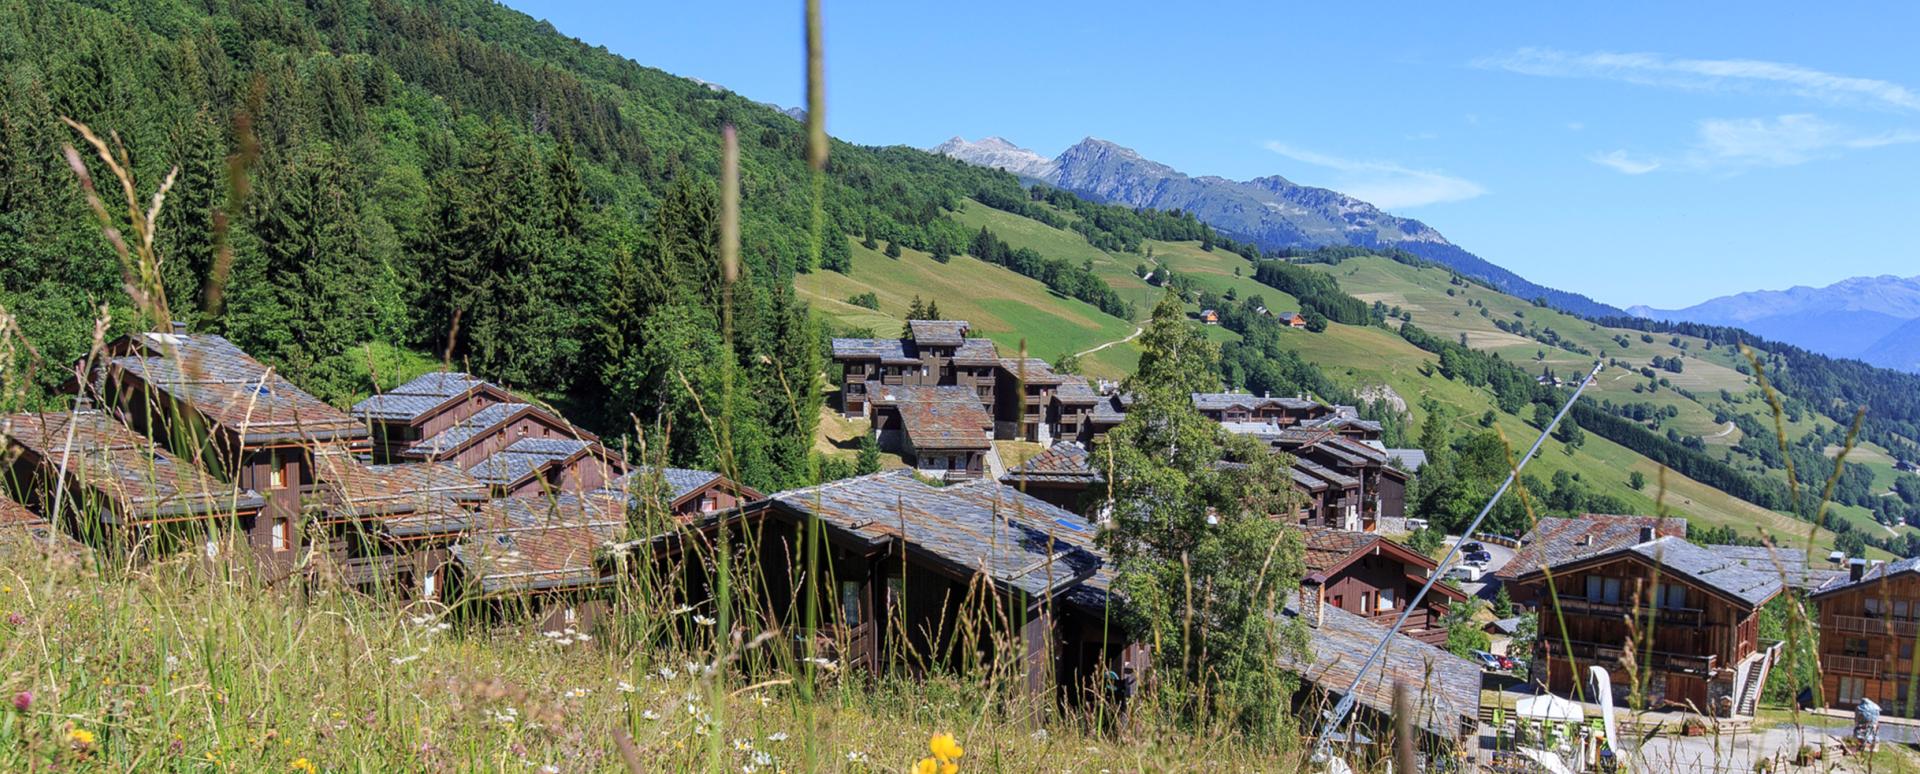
869,459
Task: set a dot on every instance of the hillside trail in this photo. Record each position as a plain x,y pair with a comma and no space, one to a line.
1723,433
1129,337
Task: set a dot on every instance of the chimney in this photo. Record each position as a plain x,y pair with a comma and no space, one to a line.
1646,534
179,328
1313,602
1856,568
1586,539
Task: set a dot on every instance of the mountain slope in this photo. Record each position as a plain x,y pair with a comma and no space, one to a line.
1860,317
1272,212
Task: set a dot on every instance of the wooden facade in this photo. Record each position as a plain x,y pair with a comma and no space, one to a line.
1374,578
1868,624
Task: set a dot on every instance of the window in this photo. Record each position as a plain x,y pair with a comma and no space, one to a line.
276,477
429,585
707,504
1873,607
282,534
1855,647
1906,650
570,616
1386,600
850,602
1852,689
1605,590
1673,596
1902,610
1366,602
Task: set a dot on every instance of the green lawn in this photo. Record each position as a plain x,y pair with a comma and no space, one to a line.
1020,231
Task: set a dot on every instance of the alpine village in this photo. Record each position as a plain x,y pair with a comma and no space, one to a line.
409,386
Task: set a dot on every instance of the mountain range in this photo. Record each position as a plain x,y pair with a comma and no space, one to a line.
1875,319
1272,212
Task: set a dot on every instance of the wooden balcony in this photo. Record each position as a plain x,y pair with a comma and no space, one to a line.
1659,660
1854,624
1684,616
1853,665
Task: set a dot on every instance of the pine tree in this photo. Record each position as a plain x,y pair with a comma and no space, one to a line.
869,459
933,310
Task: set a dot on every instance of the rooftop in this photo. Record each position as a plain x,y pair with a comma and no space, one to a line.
1064,462
141,480
414,399
524,457
938,333
1018,541
1800,573
677,482
1555,541
1220,401
540,543
231,389
1710,568
1443,688
944,417
465,430
1872,574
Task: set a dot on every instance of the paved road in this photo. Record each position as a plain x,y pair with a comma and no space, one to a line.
1486,588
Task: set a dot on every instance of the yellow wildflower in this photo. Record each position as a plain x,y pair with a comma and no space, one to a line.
80,737
926,766
6,589
302,764
946,748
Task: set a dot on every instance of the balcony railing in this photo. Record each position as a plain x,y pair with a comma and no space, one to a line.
1855,624
1673,615
1853,665
1661,660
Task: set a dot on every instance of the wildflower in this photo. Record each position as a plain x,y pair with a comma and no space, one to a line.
683,610
624,687
1039,734
549,769
649,715
578,693
926,766
668,673
743,745
16,620
81,738
302,764
855,756
948,750
702,620
6,589
761,758
23,701
777,736
398,660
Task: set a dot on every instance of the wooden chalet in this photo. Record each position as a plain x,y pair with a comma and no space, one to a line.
1443,690
1869,620
1025,404
514,446
934,353
910,564
1700,611
1061,476
214,404
687,494
1555,541
122,490
1264,409
390,528
1292,319
941,430
1374,578
541,559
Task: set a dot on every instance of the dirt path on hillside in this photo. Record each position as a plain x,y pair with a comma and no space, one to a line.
1129,337
1723,433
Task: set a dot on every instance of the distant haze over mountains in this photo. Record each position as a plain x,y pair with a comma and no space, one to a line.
1272,212
1875,319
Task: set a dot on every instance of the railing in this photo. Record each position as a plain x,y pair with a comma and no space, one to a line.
1853,665
1663,660
1856,624
1675,615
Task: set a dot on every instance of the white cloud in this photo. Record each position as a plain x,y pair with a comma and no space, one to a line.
1385,184
1649,69
1782,141
1624,163
1575,126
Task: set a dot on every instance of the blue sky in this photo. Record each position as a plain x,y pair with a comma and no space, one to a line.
1658,153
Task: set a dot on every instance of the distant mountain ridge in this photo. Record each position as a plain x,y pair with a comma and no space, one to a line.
1875,319
1272,212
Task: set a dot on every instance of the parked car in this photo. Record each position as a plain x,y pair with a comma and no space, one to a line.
1472,546
1466,573
1507,663
1487,660
1415,523
1479,557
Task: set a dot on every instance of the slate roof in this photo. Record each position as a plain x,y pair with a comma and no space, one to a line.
1220,401
1032,370
1326,474
938,333
15,517
893,350
141,480
521,544
1555,541
409,401
1111,409
1411,459
1308,481
1075,389
943,417
466,429
233,390
1709,568
1064,462
679,482
412,499
13,514
1800,574
977,352
1444,689
523,457
1017,541
1873,574
1328,548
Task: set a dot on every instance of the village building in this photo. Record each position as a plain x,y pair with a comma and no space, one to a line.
17,519
686,494
935,352
512,445
1210,316
1443,690
908,563
940,430
208,401
1554,541
113,487
543,559
1292,319
1869,620
1224,407
389,529
1060,476
1678,620
1375,578
1791,564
